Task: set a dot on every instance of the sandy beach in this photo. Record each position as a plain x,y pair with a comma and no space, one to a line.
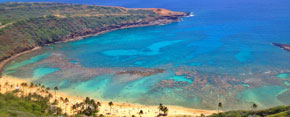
118,109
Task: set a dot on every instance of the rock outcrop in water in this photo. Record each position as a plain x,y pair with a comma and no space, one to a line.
141,72
283,46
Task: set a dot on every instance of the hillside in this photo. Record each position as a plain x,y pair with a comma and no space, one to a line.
24,26
279,111
11,105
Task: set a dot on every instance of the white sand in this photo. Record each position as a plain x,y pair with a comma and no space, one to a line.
118,109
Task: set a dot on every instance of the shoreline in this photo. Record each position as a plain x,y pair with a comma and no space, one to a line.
80,37
126,108
6,61
119,108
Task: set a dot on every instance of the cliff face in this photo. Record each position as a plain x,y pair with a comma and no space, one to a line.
45,23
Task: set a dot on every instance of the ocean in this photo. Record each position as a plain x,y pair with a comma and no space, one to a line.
221,54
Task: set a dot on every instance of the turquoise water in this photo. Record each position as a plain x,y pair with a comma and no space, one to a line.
287,83
180,79
283,75
26,62
40,72
148,51
222,54
263,96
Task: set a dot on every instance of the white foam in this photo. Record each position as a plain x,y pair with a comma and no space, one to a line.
191,14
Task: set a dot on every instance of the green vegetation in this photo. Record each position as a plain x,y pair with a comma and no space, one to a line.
280,111
12,12
34,100
29,100
24,26
164,109
111,104
220,105
140,113
89,107
55,89
28,106
27,25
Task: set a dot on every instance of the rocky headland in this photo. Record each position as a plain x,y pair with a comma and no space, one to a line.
283,46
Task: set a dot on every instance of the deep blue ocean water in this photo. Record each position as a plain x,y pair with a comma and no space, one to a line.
222,54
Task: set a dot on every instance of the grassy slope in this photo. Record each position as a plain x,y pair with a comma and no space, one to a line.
11,12
11,105
27,25
279,111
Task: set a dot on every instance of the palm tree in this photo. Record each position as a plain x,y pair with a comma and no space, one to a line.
111,104
11,86
6,84
220,105
31,86
66,103
77,105
141,112
25,85
47,88
87,101
99,104
92,101
41,91
55,102
61,100
22,85
58,111
160,107
42,86
165,110
50,96
73,108
254,106
55,89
